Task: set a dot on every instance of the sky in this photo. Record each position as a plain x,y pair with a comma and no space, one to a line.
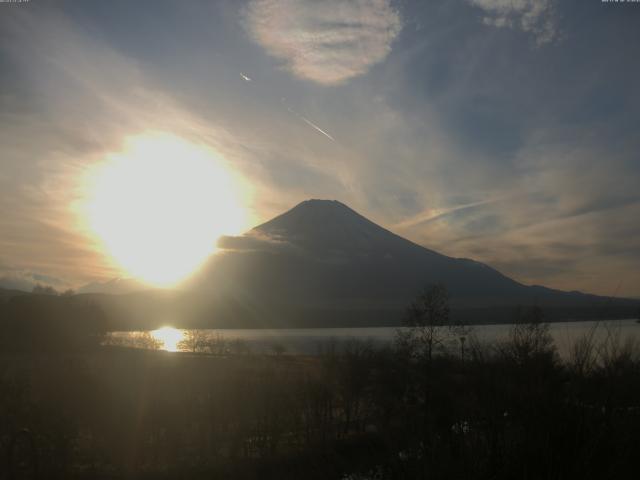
500,130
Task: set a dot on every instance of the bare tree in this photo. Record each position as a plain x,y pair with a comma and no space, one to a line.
195,341
217,344
530,337
429,322
583,355
142,340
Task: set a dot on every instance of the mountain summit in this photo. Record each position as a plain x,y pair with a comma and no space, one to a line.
329,225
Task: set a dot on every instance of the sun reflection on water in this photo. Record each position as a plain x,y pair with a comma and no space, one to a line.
169,338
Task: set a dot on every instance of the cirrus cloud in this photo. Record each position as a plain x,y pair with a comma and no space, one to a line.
328,42
536,17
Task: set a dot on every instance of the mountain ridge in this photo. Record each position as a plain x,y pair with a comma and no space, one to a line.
322,264
321,254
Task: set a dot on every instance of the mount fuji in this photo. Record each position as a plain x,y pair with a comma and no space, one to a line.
323,264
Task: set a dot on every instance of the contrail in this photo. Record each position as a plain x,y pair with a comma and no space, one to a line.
310,123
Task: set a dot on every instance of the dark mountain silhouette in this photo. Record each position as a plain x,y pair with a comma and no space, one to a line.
323,263
7,294
114,286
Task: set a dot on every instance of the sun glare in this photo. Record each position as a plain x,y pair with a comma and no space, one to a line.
169,337
160,205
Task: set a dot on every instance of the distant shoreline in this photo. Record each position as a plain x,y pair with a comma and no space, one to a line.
574,320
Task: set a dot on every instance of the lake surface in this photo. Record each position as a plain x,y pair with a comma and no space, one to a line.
311,341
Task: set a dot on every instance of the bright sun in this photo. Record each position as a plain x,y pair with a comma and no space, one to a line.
159,206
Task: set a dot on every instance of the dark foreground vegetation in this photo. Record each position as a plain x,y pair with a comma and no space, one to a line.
416,410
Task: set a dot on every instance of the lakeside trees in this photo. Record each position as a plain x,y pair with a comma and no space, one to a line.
348,411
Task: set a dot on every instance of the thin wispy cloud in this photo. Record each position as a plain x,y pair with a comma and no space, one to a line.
431,215
328,42
536,17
